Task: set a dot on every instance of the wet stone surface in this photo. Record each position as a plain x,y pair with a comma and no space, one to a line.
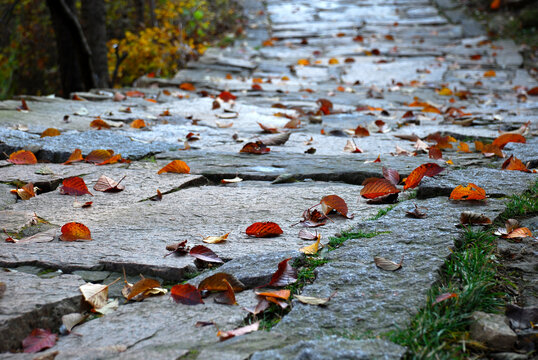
372,61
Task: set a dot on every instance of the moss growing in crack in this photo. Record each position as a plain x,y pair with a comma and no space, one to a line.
382,212
336,242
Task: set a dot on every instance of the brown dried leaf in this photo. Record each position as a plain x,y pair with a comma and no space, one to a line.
388,265
469,217
215,283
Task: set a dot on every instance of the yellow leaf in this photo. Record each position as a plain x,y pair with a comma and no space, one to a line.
215,239
445,91
303,62
333,61
312,249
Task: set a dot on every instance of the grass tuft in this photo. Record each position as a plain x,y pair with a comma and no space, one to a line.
382,212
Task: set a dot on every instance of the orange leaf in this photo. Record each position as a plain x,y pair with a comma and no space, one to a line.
111,160
99,124
362,131
22,157
521,232
227,297
377,188
187,86
469,192
335,202
267,129
176,166
135,93
74,186
257,148
138,123
495,4
26,192
256,87
74,157
264,229
98,156
50,132
513,163
215,283
490,73
284,275
463,147
333,61
74,231
325,106
443,297
490,150
431,109
186,294
279,294
428,169
141,286
304,62
227,96
504,139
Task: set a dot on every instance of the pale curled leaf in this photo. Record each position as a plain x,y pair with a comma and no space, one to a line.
388,265
312,300
41,237
111,306
72,319
95,294
106,184
225,335
215,239
231,181
307,235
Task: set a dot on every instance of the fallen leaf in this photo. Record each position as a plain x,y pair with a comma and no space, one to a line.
313,218
469,217
26,192
23,107
225,335
227,96
378,188
75,156
74,231
227,297
311,300
139,288
518,233
388,265
71,320
176,166
40,237
215,239
111,160
215,283
186,294
443,297
416,213
111,306
50,132
106,184
257,148
513,163
39,339
303,62
490,73
187,86
325,106
352,147
264,229
99,124
307,235
95,294
262,305
203,253
284,275
138,124
279,139
223,125
157,197
231,181
278,294
504,139
87,204
469,192
361,131
135,93
180,248
463,147
435,153
22,157
334,202
312,249
333,61
74,186
99,155
428,169
391,175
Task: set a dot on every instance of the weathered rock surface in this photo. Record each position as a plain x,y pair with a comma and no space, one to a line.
493,331
33,302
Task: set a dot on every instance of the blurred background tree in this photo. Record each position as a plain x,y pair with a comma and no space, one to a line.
45,45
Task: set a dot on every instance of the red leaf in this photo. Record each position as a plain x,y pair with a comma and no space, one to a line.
533,91
74,186
313,218
24,106
504,139
187,86
22,157
380,187
285,274
227,96
257,148
227,297
186,294
38,340
443,297
111,160
435,153
75,231
264,229
391,175
135,93
428,169
325,106
335,202
362,131
205,254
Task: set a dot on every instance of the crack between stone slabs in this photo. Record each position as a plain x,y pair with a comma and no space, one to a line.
196,182
44,186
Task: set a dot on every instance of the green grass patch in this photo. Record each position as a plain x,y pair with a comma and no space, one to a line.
382,212
336,242
438,331
524,205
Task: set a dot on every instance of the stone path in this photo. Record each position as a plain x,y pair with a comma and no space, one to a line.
370,59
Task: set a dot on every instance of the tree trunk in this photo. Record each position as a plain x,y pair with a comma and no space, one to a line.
153,19
74,55
94,24
140,10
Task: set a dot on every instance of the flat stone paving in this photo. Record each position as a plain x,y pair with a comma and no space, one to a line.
371,60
